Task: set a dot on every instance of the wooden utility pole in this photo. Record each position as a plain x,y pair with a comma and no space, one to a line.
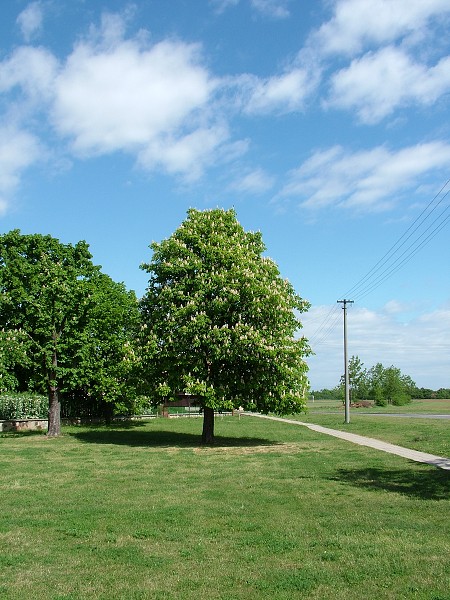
346,379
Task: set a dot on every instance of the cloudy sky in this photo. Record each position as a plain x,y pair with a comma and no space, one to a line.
325,123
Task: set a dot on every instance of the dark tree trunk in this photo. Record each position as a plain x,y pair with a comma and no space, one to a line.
54,405
208,426
54,412
108,411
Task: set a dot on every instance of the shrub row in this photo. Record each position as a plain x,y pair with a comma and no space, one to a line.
23,406
28,405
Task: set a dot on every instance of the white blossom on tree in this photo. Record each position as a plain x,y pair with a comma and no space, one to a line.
220,322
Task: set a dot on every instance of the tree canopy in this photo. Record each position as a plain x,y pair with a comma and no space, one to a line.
387,385
63,318
383,385
101,361
219,321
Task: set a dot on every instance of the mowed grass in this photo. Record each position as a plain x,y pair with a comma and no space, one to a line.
431,406
272,511
417,433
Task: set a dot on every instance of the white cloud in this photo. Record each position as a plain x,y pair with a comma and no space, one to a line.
418,345
115,94
160,103
222,5
253,182
127,97
188,155
156,102
394,307
18,151
30,20
365,180
357,23
399,50
276,9
378,83
272,8
3,206
31,69
280,93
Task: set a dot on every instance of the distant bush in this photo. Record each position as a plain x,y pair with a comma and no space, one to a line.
326,394
143,405
401,399
376,394
140,405
23,406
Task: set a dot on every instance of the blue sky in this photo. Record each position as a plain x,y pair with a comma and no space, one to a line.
325,124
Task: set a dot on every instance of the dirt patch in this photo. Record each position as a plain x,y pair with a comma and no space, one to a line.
288,448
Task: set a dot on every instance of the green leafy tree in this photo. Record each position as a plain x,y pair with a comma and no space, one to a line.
425,393
65,312
393,385
389,386
357,377
398,388
375,384
101,365
13,352
327,394
219,321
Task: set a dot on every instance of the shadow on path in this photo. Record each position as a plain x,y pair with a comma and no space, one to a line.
426,484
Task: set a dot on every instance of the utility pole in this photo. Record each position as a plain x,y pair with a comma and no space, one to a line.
347,392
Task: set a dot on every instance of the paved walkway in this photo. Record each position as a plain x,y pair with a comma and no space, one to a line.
437,461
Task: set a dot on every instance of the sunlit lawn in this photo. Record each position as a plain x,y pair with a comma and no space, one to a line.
431,406
272,511
426,435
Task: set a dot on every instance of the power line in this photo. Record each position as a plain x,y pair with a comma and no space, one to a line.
365,282
326,327
396,266
392,261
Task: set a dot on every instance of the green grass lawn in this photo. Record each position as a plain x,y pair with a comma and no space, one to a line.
273,511
426,435
431,406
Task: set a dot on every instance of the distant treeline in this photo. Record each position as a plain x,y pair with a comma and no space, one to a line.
380,385
418,394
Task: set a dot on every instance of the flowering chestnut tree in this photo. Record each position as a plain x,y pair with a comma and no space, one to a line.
219,321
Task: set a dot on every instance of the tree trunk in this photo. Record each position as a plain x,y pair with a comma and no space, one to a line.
208,426
54,405
54,412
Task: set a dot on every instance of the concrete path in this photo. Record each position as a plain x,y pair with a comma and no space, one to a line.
437,461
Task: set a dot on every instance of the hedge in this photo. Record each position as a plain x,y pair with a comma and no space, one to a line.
23,406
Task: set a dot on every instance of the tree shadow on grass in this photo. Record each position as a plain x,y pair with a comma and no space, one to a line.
24,433
132,436
426,483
